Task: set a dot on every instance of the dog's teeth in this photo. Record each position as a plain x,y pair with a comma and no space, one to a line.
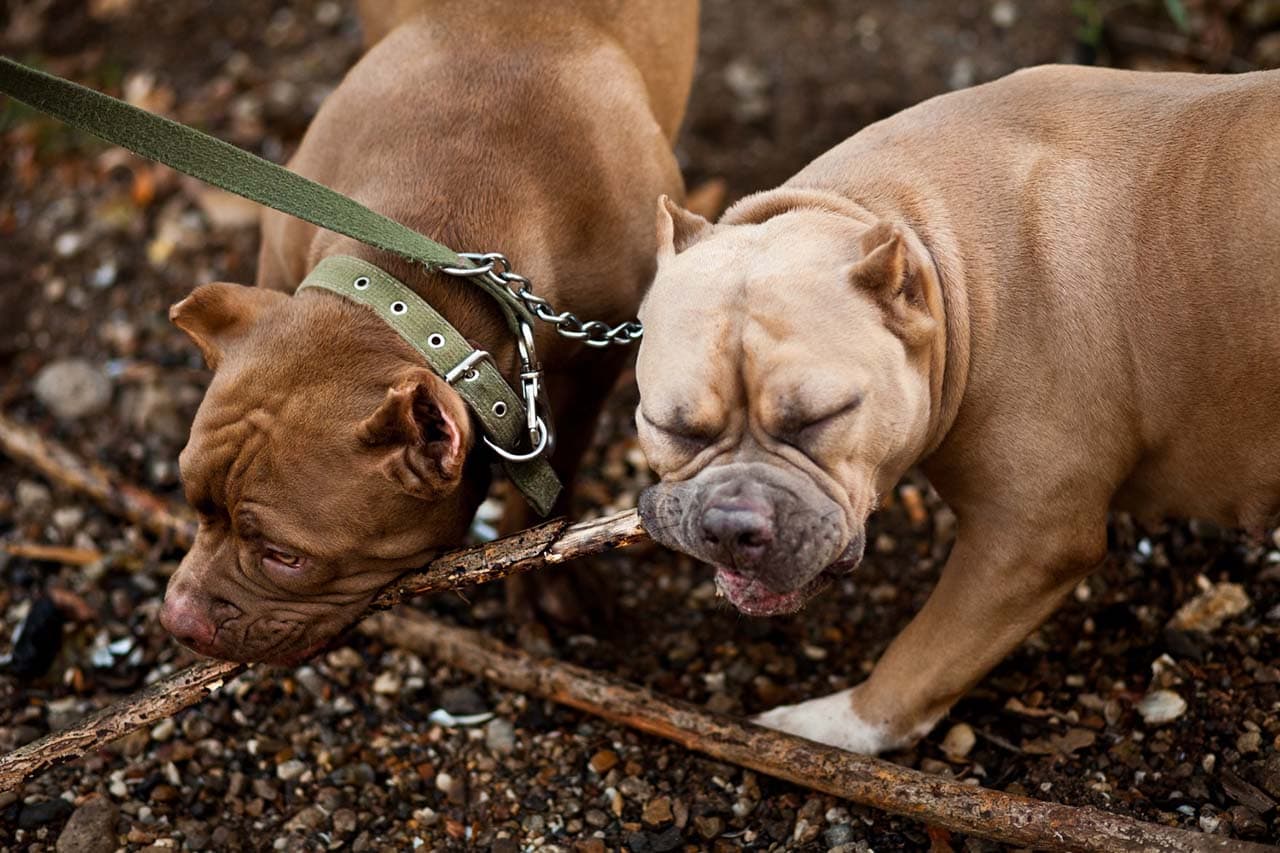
719,592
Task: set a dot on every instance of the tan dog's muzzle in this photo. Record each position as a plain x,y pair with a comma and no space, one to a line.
774,537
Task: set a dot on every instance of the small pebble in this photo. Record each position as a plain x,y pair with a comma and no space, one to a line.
290,770
657,811
500,736
959,741
91,828
604,761
72,388
164,730
1161,706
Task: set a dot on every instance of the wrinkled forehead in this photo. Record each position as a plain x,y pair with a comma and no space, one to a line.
759,315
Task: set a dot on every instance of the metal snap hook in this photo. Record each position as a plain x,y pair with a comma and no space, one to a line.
523,457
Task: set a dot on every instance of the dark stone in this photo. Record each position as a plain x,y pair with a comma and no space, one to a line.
638,842
668,839
1184,644
505,845
462,701
36,815
39,640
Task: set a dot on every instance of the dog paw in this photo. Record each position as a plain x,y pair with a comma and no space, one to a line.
830,720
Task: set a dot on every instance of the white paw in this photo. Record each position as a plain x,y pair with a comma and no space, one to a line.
830,720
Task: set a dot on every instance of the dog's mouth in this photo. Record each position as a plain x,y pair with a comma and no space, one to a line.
752,597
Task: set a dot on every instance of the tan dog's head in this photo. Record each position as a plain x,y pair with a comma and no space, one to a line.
784,385
324,461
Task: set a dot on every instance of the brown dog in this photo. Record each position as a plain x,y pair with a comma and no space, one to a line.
1057,292
326,459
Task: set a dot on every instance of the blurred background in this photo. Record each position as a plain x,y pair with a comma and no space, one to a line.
95,244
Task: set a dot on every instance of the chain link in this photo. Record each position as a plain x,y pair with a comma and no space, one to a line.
593,333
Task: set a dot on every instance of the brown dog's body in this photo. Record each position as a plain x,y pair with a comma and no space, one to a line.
326,459
1057,292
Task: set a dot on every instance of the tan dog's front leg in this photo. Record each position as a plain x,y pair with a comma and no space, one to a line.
994,590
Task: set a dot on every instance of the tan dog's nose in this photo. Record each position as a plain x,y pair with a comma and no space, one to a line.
740,530
185,617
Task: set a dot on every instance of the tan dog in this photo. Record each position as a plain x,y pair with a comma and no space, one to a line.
326,459
1057,292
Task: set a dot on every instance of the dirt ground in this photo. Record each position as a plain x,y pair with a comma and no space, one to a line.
94,246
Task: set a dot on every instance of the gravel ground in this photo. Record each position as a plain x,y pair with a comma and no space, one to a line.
1154,692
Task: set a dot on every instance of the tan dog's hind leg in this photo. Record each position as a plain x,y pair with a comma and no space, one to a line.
999,584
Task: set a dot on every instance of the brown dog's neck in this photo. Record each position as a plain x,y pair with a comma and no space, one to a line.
948,355
467,308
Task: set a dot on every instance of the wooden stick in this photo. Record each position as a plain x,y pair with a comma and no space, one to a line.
62,467
64,554
869,781
550,543
162,699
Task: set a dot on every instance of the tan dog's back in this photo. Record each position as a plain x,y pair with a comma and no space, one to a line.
1124,225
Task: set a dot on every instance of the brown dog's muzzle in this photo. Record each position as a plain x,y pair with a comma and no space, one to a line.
189,621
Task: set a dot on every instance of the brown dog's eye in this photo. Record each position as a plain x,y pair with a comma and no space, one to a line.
283,558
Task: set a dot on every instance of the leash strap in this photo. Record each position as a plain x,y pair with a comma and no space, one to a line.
237,171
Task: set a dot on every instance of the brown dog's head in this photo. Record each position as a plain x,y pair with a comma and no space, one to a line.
324,461
784,385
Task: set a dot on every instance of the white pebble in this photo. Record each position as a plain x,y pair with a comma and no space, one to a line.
1161,706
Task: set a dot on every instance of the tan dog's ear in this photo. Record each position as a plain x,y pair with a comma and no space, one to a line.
424,427
889,271
678,229
214,315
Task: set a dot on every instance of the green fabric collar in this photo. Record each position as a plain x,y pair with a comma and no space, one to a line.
470,371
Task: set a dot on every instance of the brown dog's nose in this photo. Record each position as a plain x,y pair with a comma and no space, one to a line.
741,531
188,621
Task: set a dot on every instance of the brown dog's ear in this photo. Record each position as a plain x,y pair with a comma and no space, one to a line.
424,427
678,229
889,271
214,315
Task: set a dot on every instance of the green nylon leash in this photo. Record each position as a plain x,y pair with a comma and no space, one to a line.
237,171
227,167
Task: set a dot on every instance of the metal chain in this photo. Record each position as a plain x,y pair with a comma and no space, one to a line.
593,333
